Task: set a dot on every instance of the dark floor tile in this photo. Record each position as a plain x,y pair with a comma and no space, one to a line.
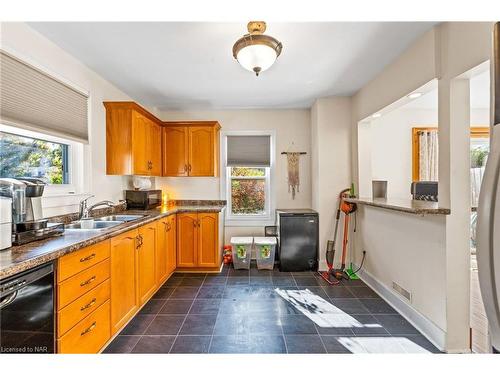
285,308
337,291
302,344
396,324
316,290
138,324
306,281
176,306
198,325
334,346
231,325
153,306
232,272
238,280
210,292
165,325
192,281
262,292
422,344
303,274
122,344
335,324
154,344
349,305
297,325
367,325
264,324
184,292
178,275
260,273
230,344
354,282
191,344
173,281
234,307
363,292
283,281
195,274
273,344
263,306
215,280
261,280
224,271
278,273
163,293
377,306
237,292
205,306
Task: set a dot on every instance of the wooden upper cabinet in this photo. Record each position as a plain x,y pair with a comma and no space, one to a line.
175,151
208,240
187,239
191,149
123,278
146,272
133,140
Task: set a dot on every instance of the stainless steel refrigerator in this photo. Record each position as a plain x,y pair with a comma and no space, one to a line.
488,224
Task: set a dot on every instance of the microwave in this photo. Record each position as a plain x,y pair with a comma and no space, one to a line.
143,199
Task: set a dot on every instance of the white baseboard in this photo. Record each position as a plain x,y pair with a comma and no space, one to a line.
425,326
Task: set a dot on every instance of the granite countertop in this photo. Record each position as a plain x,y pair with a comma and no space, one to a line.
403,205
20,258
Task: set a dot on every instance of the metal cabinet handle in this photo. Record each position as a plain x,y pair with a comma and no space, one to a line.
90,304
189,167
89,257
86,282
92,326
185,168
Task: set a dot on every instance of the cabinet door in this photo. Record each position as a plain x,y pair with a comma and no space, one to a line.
140,136
146,275
171,245
175,151
162,262
201,151
123,278
208,240
154,148
187,238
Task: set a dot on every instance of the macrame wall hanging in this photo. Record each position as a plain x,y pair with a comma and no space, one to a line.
293,161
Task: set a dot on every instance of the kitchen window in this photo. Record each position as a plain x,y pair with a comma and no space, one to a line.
248,166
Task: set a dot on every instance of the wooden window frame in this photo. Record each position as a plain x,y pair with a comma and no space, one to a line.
476,131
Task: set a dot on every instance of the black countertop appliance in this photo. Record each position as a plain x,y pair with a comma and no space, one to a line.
298,237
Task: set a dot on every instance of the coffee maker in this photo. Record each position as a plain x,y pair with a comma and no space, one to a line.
28,223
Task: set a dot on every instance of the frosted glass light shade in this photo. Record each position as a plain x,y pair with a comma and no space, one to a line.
256,56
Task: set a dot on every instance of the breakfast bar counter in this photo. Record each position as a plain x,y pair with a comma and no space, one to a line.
411,206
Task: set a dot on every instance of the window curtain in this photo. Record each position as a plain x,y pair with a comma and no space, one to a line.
428,153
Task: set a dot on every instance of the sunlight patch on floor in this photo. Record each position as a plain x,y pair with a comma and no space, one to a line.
380,345
320,311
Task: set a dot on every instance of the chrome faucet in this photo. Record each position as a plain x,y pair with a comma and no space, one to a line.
84,212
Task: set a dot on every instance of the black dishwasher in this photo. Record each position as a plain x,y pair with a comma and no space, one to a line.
27,311
298,233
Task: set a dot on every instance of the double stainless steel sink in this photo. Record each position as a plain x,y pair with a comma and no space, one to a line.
105,222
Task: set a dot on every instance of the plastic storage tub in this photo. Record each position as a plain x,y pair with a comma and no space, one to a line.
265,248
242,252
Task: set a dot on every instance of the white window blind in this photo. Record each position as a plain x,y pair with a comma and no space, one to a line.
248,150
31,98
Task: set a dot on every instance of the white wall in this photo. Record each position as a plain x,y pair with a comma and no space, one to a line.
25,43
331,160
289,126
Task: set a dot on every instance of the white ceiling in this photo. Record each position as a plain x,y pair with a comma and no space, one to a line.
479,94
172,65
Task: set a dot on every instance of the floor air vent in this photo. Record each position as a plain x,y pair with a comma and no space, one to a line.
401,291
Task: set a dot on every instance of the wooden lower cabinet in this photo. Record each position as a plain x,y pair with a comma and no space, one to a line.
198,240
89,335
146,273
165,248
124,301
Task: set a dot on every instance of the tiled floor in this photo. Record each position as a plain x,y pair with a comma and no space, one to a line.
255,311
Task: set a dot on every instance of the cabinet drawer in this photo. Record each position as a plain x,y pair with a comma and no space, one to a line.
74,287
89,335
83,306
80,260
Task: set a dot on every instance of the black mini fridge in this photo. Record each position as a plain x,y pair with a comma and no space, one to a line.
298,233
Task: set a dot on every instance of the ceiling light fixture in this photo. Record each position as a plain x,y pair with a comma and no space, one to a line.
415,95
254,51
376,115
